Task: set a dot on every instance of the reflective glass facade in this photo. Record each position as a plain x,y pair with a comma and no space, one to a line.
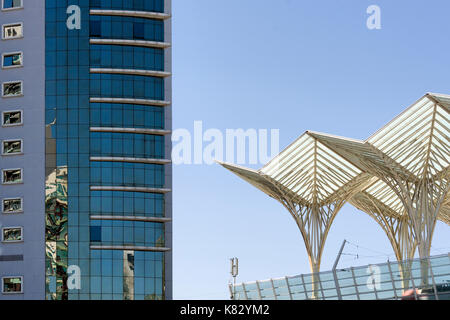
115,56
117,238
126,86
116,144
126,116
122,203
128,28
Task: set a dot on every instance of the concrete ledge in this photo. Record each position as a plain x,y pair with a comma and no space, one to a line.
136,43
138,72
130,130
130,13
146,102
135,248
134,160
130,189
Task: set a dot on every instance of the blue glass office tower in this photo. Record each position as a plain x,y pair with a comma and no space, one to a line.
96,184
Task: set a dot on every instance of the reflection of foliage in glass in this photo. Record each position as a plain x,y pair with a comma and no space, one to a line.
153,296
12,147
12,89
12,176
12,284
11,205
128,275
13,117
13,234
160,241
56,232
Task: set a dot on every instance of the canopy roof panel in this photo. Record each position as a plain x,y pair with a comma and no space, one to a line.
414,145
318,172
443,99
259,181
380,197
378,192
384,194
311,170
418,139
307,171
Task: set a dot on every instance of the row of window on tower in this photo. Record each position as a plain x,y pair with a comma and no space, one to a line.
12,147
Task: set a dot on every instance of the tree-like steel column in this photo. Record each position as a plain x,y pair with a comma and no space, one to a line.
397,228
314,224
318,173
312,183
411,155
422,199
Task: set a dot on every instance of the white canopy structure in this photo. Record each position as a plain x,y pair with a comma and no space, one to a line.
399,176
313,183
411,155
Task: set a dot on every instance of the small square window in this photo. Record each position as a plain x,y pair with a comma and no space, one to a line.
12,284
12,234
11,60
12,118
138,30
12,31
12,89
11,4
96,233
95,28
13,205
12,176
11,147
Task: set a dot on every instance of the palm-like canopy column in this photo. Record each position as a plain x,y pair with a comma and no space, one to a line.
411,155
386,209
313,183
394,222
384,206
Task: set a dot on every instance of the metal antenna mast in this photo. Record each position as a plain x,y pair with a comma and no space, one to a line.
339,255
336,282
234,264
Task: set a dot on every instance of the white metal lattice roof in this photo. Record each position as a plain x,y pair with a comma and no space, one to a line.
307,170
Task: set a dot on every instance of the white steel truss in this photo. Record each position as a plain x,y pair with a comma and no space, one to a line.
411,155
313,183
400,176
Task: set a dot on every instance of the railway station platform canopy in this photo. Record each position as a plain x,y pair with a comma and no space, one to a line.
400,176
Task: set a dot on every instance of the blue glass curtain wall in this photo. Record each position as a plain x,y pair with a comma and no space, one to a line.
107,144
128,28
70,173
126,57
125,203
126,116
127,174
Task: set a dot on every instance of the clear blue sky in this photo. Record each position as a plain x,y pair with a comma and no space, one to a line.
291,65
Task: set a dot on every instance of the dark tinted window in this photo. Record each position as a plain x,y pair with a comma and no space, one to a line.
95,29
96,234
138,30
7,4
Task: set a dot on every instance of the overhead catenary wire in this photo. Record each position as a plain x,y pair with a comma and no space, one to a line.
358,256
372,250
